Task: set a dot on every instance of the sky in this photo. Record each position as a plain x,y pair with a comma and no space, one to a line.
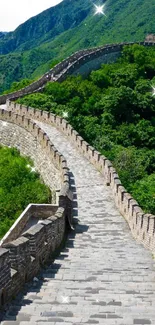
15,12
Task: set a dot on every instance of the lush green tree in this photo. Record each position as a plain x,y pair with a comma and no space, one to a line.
100,78
119,102
18,85
19,186
144,191
130,165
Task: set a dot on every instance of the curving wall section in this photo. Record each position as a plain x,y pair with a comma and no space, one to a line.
142,225
88,59
22,258
37,85
93,60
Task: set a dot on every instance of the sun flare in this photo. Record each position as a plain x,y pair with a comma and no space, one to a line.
153,91
99,10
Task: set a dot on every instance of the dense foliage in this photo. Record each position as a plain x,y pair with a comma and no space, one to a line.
18,85
114,110
59,31
19,186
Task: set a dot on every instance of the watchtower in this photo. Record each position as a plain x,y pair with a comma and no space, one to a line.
150,38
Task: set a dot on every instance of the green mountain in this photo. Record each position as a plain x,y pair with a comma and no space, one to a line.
2,34
32,48
46,26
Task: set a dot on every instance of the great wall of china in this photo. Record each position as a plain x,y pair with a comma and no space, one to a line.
81,62
22,254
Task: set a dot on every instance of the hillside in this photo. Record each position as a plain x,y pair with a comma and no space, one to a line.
57,32
2,34
46,26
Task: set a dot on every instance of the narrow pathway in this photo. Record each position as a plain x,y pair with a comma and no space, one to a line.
102,276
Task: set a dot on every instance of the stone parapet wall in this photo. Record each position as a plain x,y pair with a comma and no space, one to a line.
142,225
12,135
87,57
22,258
37,211
68,67
41,138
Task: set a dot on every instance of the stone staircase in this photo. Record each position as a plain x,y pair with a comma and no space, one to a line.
102,276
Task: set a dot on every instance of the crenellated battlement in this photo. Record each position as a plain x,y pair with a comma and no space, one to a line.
23,253
21,259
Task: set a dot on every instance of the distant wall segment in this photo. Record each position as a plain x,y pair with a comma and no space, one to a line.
81,62
87,62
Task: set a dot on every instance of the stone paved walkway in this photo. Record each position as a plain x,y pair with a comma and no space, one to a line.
102,276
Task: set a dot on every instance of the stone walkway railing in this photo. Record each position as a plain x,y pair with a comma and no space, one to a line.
33,212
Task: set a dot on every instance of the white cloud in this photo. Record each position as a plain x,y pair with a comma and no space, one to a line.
15,12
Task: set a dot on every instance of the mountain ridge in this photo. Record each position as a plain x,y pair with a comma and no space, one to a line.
54,21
